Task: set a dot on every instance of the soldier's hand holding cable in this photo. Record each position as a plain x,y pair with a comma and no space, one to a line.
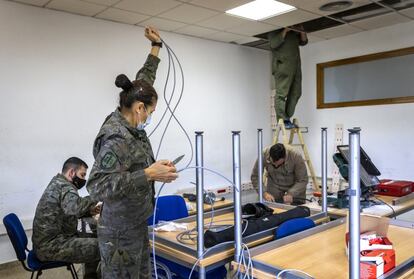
152,34
162,171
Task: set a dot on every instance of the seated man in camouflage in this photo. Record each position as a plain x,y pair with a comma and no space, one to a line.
55,235
287,175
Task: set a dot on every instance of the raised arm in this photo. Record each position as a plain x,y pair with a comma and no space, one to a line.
303,38
149,70
277,38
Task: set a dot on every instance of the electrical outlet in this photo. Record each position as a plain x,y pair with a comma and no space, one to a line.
247,186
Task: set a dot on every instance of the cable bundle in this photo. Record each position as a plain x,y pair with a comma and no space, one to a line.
172,59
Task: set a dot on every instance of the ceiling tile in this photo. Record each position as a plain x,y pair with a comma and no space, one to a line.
408,12
188,14
314,39
220,5
222,22
196,31
252,28
162,24
380,21
148,7
313,5
76,7
103,2
338,31
246,40
224,37
122,16
39,3
291,18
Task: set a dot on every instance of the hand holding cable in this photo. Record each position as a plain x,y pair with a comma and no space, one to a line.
152,34
161,171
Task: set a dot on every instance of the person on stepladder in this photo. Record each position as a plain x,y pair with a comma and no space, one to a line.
286,70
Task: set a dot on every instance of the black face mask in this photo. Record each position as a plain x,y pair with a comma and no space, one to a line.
78,182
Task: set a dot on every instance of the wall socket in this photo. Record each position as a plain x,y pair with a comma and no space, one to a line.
219,191
246,186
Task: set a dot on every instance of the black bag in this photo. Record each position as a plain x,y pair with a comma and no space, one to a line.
212,238
256,210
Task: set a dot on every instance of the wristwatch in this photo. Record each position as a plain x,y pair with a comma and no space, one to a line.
158,44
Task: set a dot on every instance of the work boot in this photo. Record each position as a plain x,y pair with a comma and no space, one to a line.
288,124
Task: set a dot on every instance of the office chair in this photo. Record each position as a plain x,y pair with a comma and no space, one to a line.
171,208
29,261
293,226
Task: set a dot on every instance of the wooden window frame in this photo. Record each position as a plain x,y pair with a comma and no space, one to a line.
358,59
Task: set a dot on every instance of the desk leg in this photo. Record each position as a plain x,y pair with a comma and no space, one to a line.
202,273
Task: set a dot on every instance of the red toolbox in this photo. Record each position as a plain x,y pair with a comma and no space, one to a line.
395,188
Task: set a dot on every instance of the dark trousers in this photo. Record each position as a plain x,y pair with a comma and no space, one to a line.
125,253
82,248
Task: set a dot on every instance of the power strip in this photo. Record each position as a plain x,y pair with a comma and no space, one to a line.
219,191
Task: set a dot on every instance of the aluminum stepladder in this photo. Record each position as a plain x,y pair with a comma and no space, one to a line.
288,140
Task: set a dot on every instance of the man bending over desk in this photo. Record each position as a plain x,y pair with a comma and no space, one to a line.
55,235
287,175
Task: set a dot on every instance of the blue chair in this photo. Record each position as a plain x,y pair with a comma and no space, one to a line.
171,208
29,261
293,226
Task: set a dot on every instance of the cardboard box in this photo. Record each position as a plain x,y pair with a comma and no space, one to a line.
377,257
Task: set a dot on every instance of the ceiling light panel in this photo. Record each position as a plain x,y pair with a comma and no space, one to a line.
261,9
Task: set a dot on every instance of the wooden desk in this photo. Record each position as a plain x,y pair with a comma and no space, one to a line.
167,245
379,210
322,255
207,207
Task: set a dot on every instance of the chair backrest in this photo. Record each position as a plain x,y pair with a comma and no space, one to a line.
16,234
170,208
293,226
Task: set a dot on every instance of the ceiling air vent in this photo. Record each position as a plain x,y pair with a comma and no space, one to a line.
335,6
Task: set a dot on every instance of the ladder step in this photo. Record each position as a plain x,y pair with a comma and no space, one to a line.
287,138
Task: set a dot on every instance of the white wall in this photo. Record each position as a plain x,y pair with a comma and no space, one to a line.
387,133
57,74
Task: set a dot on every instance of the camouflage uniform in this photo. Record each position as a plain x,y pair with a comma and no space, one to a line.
121,153
55,236
291,177
286,69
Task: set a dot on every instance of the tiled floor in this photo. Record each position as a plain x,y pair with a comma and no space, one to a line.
15,271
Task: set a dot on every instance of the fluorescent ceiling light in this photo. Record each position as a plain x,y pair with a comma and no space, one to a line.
261,9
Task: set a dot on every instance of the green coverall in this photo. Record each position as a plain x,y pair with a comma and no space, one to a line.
286,70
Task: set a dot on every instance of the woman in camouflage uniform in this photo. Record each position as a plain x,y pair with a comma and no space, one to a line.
124,172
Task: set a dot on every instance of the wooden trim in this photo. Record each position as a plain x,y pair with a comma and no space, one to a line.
320,67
